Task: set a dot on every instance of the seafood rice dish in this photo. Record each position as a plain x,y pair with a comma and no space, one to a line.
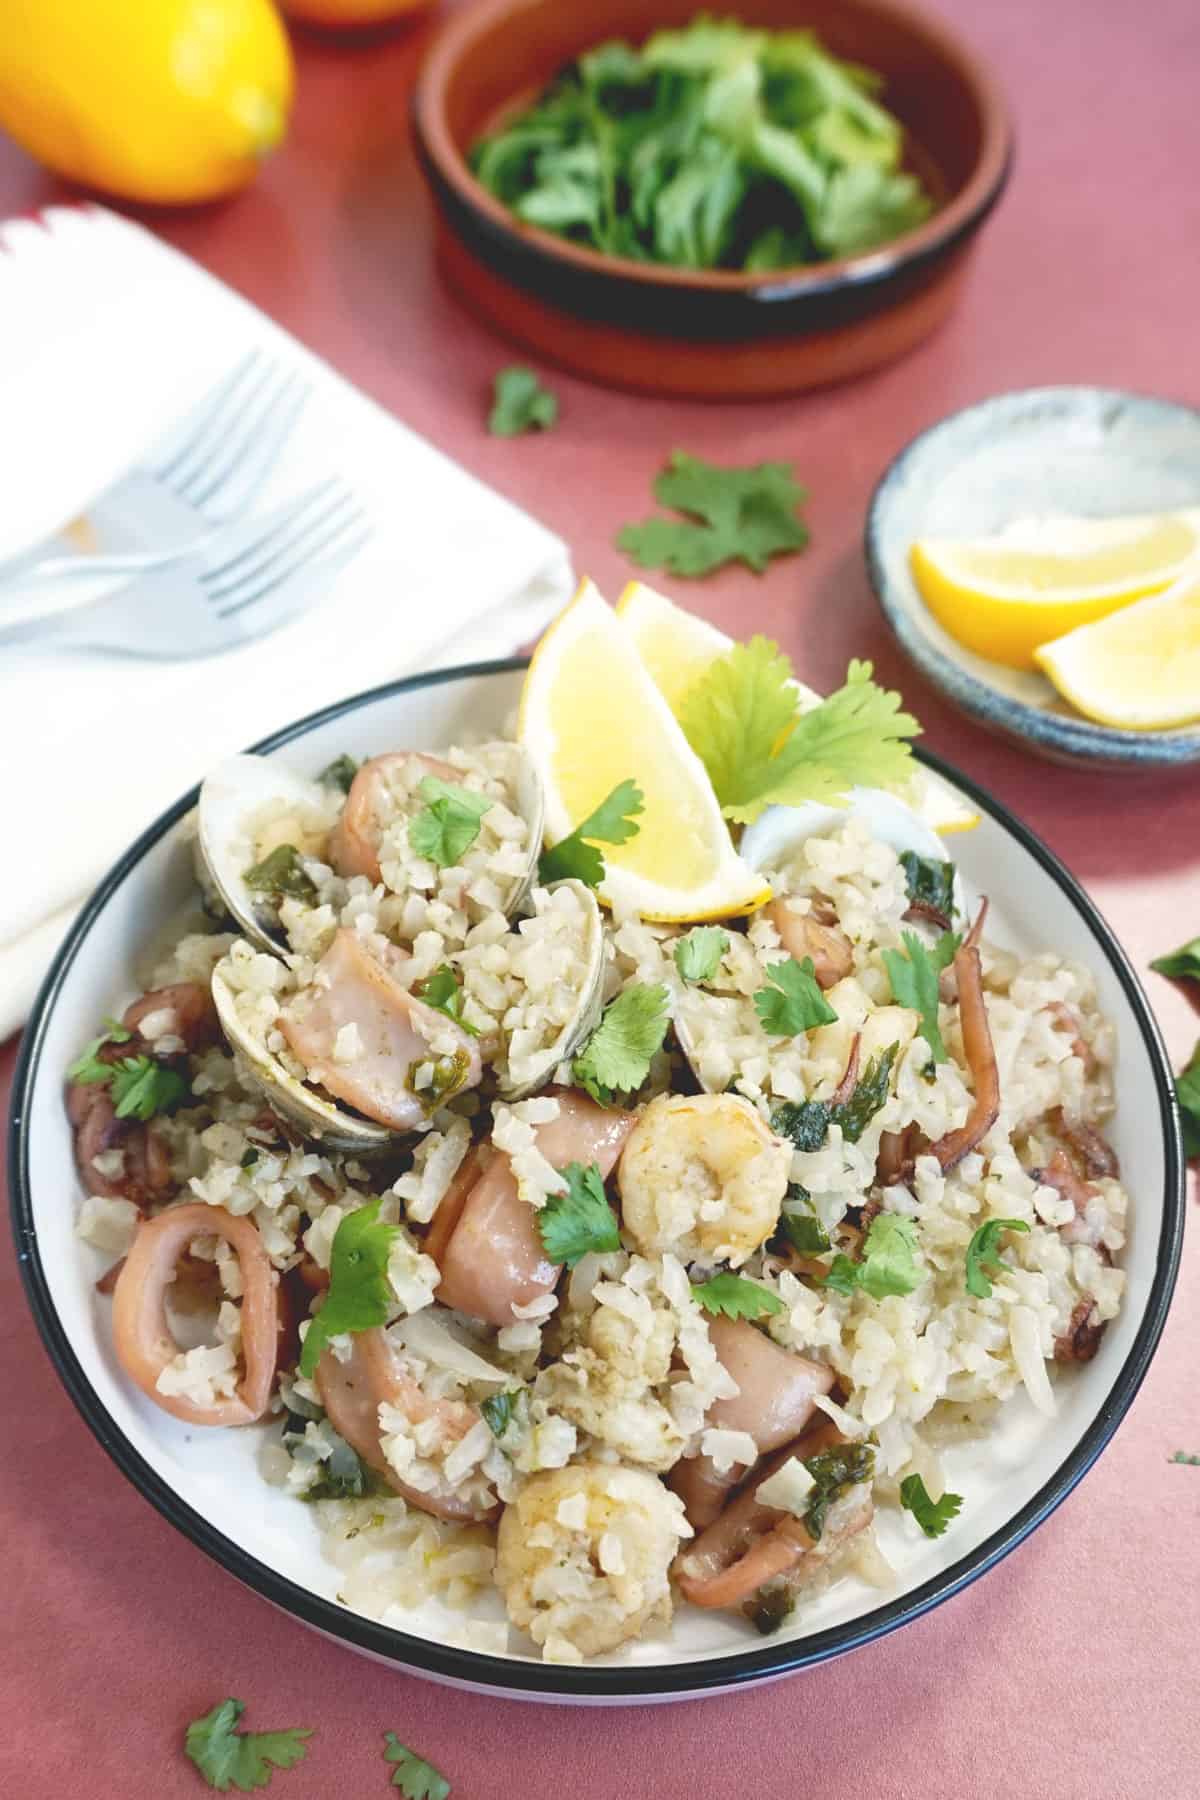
607,1254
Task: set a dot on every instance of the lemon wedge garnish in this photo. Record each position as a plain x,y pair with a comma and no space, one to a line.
1002,596
1140,668
590,717
677,647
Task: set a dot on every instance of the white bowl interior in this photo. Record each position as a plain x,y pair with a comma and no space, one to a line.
214,1473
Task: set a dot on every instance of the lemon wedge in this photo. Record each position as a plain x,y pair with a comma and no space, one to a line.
1002,596
590,717
1140,668
677,647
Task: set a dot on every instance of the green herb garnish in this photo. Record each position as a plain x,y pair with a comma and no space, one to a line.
745,515
792,1002
932,1516
1187,1092
442,991
360,1294
339,773
735,1297
87,1067
520,403
889,1264
280,873
579,1220
617,1056
416,1778
447,1077
914,980
244,1760
141,1087
930,884
449,823
612,822
983,1252
698,955
499,1410
805,1123
834,1472
803,1230
1182,964
1181,1456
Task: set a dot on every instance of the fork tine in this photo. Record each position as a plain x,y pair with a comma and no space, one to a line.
276,605
191,472
179,440
248,454
294,547
339,525
268,530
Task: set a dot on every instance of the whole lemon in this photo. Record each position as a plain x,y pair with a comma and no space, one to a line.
159,100
352,12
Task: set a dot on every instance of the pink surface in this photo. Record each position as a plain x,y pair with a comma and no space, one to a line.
1071,1671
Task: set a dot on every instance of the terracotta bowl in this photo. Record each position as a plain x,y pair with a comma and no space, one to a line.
719,335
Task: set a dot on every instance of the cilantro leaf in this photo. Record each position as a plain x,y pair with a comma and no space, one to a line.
339,773
834,1471
87,1067
520,403
142,1087
983,1252
805,1231
282,872
888,1265
698,955
579,1220
242,1759
741,719
804,1122
743,515
914,980
617,1056
1182,964
612,822
359,1293
1181,1456
735,1297
1187,1092
870,1093
499,1410
930,883
932,1516
416,1778
441,991
793,1001
449,824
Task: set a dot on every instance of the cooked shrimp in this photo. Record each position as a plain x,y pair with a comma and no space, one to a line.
365,1038
803,934
144,1343
354,841
777,1392
584,1554
702,1177
492,1258
372,1376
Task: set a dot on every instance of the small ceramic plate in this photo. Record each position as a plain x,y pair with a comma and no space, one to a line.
1092,451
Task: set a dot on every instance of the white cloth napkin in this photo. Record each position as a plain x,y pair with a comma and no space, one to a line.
107,336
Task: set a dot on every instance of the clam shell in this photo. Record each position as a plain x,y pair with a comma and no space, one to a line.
589,1004
230,797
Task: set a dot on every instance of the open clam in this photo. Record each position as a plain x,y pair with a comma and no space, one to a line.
250,807
529,1066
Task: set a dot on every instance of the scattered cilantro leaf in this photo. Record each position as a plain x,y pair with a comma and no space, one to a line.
87,1067
1182,964
249,1158
914,980
416,1778
342,1475
449,824
745,515
229,1758
735,1297
805,1231
983,1252
612,822
698,955
579,1220
280,873
889,1264
520,403
1187,1092
142,1087
932,1516
339,773
804,1122
793,1001
442,991
833,1472
929,882
741,719
359,1293
500,1409
617,1056
1181,1456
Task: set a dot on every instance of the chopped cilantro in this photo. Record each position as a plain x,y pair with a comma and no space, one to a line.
1181,1456
1182,964
342,1475
1187,1092
339,773
579,1220
416,1778
932,1516
804,1231
612,822
806,1122
792,1002
929,883
735,1297
520,403
87,1067
983,1252
441,991
741,719
249,1158
142,1087
500,1410
745,515
889,1264
280,873
914,980
698,955
449,823
447,1076
360,1294
834,1471
617,1056
229,1758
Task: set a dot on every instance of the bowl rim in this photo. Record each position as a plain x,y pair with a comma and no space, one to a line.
1067,735
549,1681
945,227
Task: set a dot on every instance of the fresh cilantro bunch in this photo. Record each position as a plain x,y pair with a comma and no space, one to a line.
932,1516
449,822
745,515
735,1297
742,720
616,1058
914,979
229,1758
612,822
359,1294
889,1262
579,1220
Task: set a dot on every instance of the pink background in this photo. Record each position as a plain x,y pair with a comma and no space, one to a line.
1071,1671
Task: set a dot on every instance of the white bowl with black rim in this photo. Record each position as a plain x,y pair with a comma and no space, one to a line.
206,1482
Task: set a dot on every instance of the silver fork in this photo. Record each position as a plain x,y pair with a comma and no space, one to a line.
206,470
249,579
